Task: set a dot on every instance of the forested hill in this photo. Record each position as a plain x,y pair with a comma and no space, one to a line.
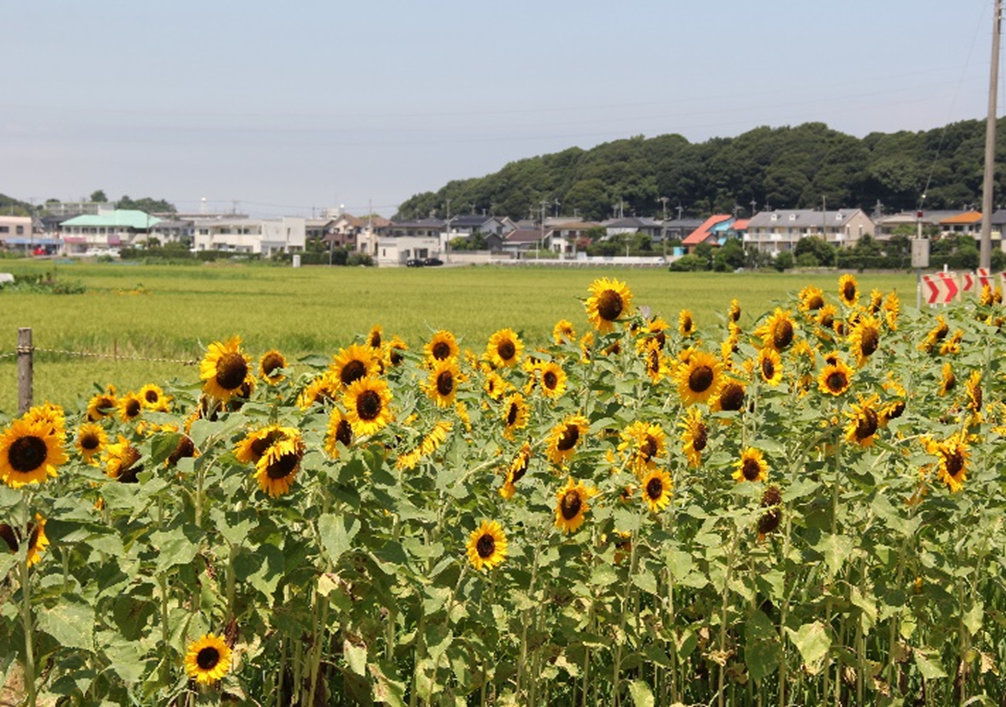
788,167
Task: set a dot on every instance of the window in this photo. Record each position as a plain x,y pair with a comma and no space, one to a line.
775,217
792,217
4,229
20,230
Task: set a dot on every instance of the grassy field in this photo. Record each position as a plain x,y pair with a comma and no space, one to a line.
173,312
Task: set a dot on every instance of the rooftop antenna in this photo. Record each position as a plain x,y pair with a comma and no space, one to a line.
202,205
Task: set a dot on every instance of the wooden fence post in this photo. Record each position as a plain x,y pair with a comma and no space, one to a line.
24,369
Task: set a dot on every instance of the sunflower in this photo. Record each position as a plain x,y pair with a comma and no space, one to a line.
280,463
102,405
515,415
91,439
185,448
572,506
442,346
442,384
643,443
864,421
952,346
694,435
656,363
353,363
368,405
504,349
271,366
973,388
751,466
654,331
686,323
811,299
50,416
487,546
120,460
586,346
30,451
656,487
563,332
37,541
516,471
735,311
429,444
208,659
394,352
892,308
953,454
495,386
730,397
609,302
375,337
771,501
827,317
848,290
865,338
224,369
949,381
835,378
777,331
770,366
935,335
153,398
564,438
698,378
323,390
339,432
553,379
255,444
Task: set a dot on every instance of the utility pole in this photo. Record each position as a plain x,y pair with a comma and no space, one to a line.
541,240
663,224
754,207
824,216
990,144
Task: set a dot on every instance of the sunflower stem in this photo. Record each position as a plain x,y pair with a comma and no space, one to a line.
162,584
29,648
282,669
319,640
721,680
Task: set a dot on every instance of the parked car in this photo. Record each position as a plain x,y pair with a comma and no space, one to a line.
413,263
433,261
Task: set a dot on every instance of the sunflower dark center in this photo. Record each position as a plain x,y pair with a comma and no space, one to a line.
836,381
751,469
686,325
151,396
185,448
769,521
485,546
648,449
284,466
767,368
511,414
849,291
610,305
661,338
815,302
375,340
441,350
262,444
827,320
731,399
8,535
654,488
897,410
396,356
27,453
976,399
231,370
568,439
506,350
771,497
866,425
132,408
271,363
869,342
368,405
127,472
344,432
654,361
33,531
700,437
700,379
550,380
101,408
783,334
207,658
941,332
954,461
571,504
90,442
352,371
519,472
949,382
445,383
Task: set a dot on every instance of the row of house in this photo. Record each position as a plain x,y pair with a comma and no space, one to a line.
395,242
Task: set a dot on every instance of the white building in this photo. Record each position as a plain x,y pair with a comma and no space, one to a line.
251,235
393,252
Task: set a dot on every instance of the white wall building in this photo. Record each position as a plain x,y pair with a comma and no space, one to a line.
251,235
393,252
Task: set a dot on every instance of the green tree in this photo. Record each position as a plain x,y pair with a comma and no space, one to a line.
729,256
99,196
820,252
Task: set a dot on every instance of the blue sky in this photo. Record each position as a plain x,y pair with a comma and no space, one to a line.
285,107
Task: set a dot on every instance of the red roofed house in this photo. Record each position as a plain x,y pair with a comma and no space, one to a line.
969,222
712,231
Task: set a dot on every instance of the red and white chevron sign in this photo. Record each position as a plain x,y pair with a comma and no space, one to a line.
968,282
940,288
984,278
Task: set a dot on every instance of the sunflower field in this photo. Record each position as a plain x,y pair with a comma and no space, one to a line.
802,506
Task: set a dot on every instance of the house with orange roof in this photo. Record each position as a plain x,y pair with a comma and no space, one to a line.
969,222
714,230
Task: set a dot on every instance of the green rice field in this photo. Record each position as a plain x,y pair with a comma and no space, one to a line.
134,312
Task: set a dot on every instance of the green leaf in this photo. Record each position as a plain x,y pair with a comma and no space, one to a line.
866,605
642,695
835,548
973,618
603,575
762,650
930,668
175,549
337,533
813,642
70,622
388,687
356,657
645,581
679,563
